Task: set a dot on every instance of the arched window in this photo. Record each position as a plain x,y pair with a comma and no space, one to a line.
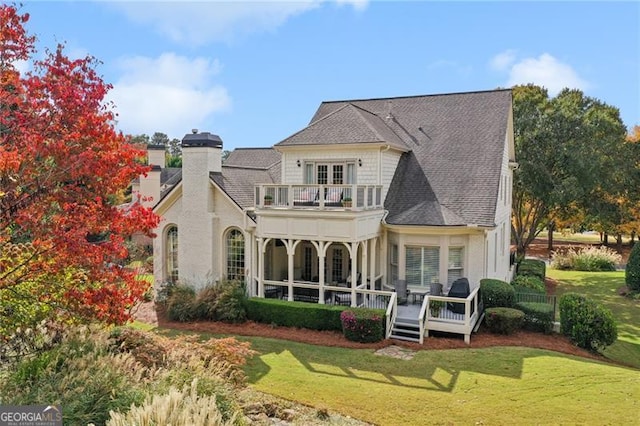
235,255
172,254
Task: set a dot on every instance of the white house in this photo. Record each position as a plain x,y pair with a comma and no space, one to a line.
429,179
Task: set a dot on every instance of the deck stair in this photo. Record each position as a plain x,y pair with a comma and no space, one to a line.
406,326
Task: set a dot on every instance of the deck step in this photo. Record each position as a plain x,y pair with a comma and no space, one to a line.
406,338
413,332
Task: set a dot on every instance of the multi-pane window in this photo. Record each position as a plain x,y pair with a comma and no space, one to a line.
393,263
422,266
235,255
455,269
307,267
336,265
172,254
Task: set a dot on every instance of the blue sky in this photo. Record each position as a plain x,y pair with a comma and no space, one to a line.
254,72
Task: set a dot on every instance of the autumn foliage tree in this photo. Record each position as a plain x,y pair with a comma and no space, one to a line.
61,162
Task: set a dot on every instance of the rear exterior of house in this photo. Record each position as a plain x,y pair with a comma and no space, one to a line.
375,202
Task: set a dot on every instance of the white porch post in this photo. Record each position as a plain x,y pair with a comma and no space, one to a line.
365,267
261,251
372,263
290,252
321,249
353,254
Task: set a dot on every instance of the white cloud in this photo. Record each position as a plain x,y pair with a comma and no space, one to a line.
201,22
545,70
358,5
503,60
170,94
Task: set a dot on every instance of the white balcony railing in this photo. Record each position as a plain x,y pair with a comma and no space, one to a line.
355,197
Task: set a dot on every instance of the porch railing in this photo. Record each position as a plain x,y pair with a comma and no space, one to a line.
455,315
336,295
322,197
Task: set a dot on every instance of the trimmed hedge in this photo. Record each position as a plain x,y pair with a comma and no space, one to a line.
632,270
537,316
363,325
496,293
312,316
529,281
587,323
504,320
533,267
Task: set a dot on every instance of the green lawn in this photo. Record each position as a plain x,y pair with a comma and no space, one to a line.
603,286
481,386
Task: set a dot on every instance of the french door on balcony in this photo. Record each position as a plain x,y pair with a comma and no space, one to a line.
330,173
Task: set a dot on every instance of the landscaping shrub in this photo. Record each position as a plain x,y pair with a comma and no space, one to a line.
81,375
587,323
362,325
232,302
591,258
181,305
537,316
496,293
529,281
295,314
501,320
176,408
632,271
532,267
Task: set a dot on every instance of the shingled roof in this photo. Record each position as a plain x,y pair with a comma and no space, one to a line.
348,124
451,174
244,169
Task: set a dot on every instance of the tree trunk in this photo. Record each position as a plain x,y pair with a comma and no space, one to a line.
633,238
606,239
550,228
619,243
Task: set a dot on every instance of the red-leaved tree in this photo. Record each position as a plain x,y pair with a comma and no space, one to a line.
61,163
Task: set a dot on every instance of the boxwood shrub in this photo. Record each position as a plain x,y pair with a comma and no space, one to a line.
632,270
363,325
533,267
504,320
496,293
529,281
587,323
537,316
295,314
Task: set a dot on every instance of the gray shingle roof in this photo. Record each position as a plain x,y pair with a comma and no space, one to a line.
348,124
451,175
243,169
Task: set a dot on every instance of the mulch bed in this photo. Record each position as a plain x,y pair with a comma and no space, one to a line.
148,313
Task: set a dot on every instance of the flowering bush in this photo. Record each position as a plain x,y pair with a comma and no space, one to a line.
592,258
362,325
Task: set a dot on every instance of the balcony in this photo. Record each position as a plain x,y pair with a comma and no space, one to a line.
319,197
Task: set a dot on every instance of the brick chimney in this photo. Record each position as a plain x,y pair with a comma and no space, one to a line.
201,155
150,185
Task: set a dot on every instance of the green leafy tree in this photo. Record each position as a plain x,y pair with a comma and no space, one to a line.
567,148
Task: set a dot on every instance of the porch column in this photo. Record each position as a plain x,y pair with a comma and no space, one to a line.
321,249
372,263
353,254
290,246
365,267
260,267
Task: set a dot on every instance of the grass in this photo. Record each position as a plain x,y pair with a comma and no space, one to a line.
603,286
481,386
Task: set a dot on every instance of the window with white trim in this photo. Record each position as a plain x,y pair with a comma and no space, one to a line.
235,255
455,268
393,263
422,266
172,254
